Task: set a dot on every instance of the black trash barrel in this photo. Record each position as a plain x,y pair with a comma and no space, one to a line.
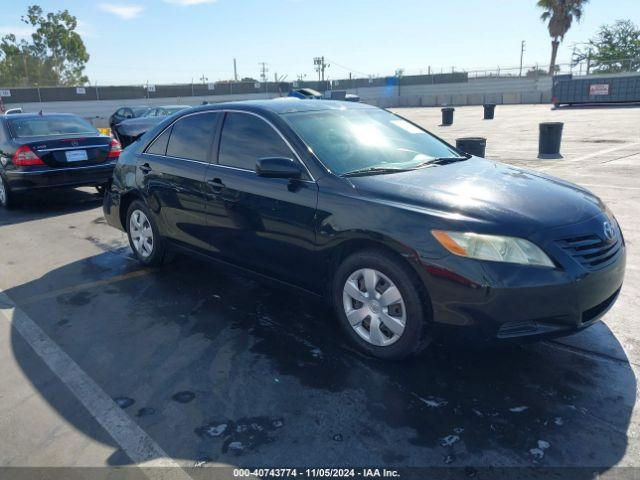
489,110
550,139
447,115
472,145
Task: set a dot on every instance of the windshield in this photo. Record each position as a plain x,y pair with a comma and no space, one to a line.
50,125
358,139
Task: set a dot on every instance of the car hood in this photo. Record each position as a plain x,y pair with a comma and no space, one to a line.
518,200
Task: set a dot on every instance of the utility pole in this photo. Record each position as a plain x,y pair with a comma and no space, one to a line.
522,44
263,75
235,70
320,67
203,79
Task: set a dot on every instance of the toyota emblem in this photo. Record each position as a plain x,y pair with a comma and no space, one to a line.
74,143
609,232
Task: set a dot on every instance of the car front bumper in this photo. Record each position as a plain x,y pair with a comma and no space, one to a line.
24,180
491,301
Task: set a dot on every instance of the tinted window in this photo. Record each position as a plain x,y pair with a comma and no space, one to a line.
159,145
120,113
191,136
246,138
47,125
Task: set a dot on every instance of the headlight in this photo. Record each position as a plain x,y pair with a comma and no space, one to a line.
495,248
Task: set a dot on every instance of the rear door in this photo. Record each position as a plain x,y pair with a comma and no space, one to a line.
264,224
171,172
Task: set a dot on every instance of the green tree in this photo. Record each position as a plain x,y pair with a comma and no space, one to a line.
559,14
55,54
615,48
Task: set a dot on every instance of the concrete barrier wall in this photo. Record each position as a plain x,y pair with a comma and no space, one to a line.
473,92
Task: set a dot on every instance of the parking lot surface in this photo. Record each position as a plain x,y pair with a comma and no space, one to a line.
104,362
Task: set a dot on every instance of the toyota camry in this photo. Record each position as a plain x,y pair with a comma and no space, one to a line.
407,237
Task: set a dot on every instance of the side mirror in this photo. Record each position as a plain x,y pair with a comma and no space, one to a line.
278,167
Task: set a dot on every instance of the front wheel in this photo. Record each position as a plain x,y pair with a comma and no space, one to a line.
6,196
380,307
144,237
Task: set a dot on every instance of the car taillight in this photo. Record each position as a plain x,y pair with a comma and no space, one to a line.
115,150
25,157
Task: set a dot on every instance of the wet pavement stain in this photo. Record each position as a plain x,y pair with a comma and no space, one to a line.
124,402
145,412
183,397
76,299
243,434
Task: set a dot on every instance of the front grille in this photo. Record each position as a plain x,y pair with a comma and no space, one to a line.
591,251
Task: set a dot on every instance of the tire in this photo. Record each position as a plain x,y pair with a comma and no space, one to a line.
7,198
152,253
410,316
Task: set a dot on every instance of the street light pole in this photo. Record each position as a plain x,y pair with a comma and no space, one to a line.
521,55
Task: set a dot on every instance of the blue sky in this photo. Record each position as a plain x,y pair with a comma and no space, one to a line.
173,41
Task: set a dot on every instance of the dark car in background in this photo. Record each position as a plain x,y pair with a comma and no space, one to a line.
406,236
40,151
126,113
128,131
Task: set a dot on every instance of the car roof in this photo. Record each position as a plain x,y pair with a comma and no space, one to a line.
286,105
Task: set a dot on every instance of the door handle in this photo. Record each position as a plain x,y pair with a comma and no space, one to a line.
145,168
216,185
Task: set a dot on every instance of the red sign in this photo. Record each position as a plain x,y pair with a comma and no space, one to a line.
599,89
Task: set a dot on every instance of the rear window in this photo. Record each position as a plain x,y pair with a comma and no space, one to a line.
49,125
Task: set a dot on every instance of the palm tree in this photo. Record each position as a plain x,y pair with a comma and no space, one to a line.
560,14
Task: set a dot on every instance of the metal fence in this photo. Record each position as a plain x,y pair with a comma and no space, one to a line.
400,79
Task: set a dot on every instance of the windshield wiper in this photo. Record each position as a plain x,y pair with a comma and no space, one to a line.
442,161
374,171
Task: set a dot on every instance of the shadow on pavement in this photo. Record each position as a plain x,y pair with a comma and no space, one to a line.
52,203
219,368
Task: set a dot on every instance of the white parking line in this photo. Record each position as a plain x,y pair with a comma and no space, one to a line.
602,152
134,441
598,185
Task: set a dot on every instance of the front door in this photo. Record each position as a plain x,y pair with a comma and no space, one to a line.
265,224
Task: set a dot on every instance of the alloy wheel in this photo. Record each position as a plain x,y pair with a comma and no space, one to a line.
3,192
141,233
374,307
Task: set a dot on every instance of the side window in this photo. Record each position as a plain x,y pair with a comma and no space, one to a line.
120,112
159,145
246,138
191,136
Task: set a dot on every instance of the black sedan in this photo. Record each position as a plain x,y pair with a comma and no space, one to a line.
126,113
39,151
128,131
407,237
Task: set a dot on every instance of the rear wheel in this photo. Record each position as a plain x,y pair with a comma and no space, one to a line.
379,305
144,237
6,196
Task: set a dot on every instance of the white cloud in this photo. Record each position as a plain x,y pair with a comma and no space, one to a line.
188,3
20,31
125,12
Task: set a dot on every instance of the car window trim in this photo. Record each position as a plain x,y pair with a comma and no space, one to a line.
218,135
209,151
268,122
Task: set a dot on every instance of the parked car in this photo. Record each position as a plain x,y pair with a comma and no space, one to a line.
128,131
126,113
41,151
406,236
305,93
